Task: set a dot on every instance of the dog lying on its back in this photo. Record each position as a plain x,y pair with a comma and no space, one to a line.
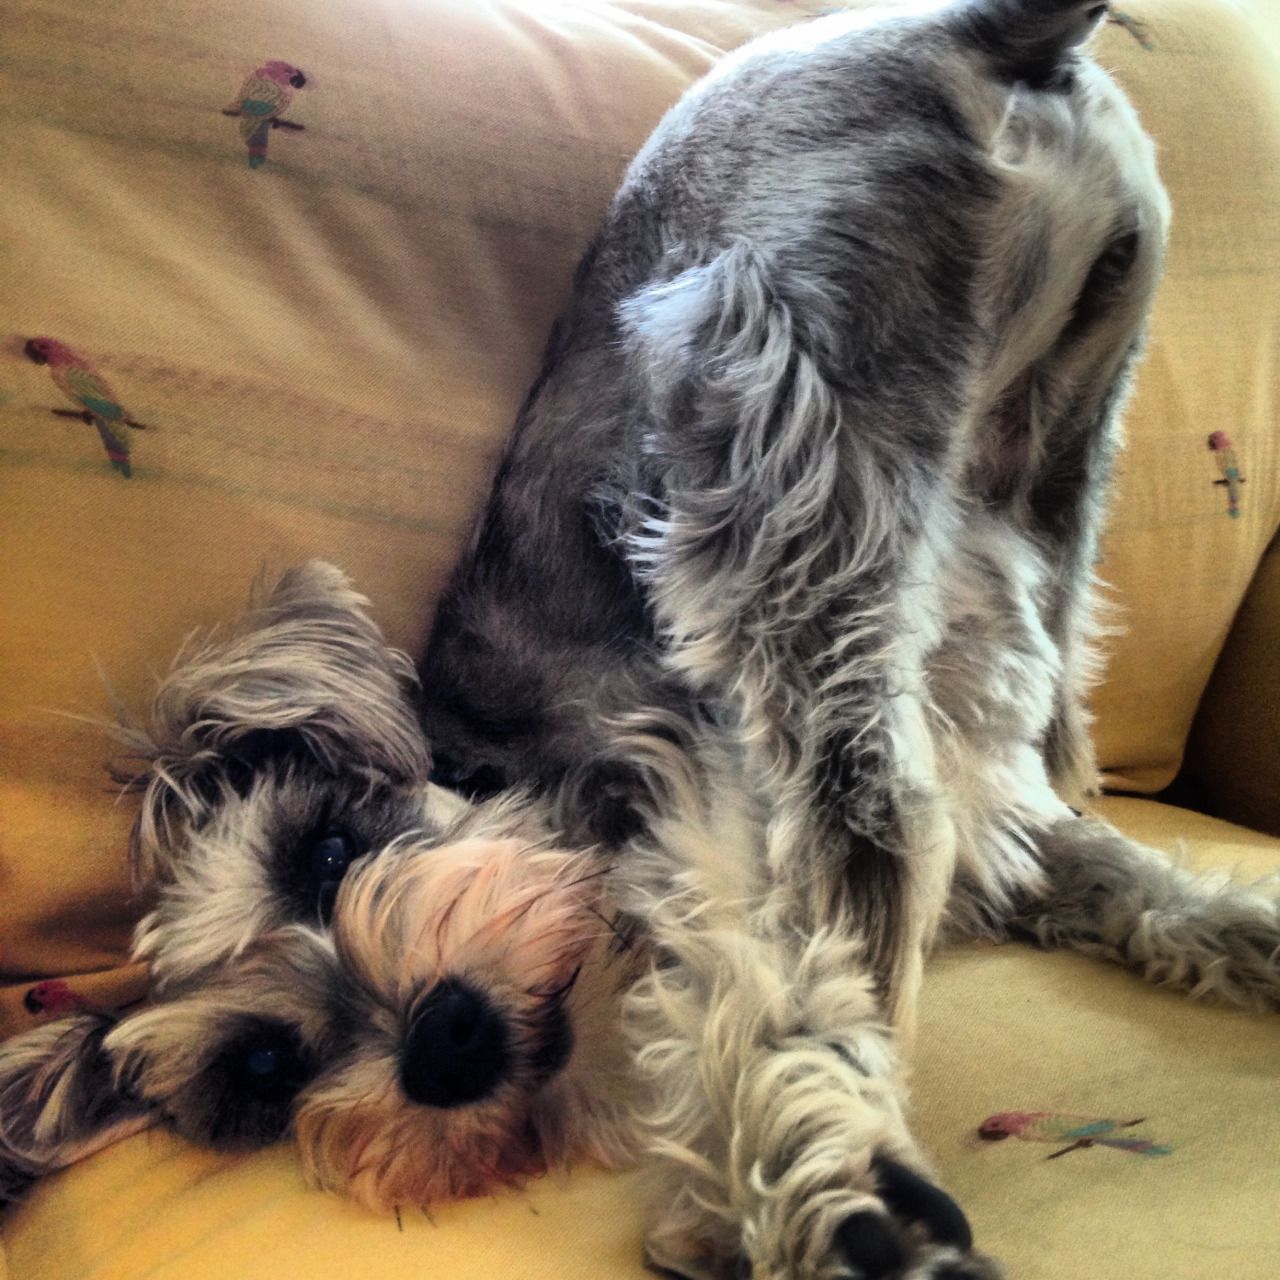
780,608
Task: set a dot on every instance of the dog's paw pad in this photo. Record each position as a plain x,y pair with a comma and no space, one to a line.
869,1243
922,1234
912,1199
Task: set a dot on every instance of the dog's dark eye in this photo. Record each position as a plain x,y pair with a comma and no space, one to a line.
264,1063
325,860
1109,271
268,1064
330,856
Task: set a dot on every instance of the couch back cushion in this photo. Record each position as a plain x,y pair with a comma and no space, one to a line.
325,331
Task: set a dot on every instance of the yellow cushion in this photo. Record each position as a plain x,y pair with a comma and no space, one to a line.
1209,92
326,351
1004,1028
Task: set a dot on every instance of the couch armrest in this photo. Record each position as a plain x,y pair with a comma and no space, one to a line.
1233,753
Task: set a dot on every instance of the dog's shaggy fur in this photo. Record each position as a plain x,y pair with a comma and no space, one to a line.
780,610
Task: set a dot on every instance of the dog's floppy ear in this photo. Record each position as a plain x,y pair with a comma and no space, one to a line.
305,675
1029,40
60,1099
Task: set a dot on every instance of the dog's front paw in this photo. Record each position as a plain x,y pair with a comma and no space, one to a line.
922,1234
902,1228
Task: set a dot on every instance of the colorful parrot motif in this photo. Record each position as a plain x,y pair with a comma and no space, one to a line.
98,405
53,996
1138,30
263,98
1220,446
1077,1132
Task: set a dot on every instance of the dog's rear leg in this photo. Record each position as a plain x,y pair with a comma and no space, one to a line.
1108,896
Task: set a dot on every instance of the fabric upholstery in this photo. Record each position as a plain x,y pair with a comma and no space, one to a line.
1210,94
1234,751
326,351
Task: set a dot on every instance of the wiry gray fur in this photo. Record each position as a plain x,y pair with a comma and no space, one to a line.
783,594
804,509
58,1100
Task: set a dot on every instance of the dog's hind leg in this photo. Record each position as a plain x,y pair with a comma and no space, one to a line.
1108,896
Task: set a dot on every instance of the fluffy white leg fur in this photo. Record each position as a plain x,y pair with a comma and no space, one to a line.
769,1076
57,1102
772,1084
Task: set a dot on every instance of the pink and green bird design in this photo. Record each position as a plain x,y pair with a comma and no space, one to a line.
98,405
1220,447
1077,1132
261,103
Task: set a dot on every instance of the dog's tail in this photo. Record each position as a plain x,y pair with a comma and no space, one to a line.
1029,40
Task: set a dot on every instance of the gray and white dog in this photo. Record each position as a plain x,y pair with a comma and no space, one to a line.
779,613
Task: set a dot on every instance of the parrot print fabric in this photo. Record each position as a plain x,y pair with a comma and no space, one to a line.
1220,446
52,997
98,405
1077,1132
261,103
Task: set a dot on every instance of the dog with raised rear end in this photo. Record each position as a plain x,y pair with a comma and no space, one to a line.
779,614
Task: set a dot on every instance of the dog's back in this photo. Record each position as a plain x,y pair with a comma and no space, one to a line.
876,273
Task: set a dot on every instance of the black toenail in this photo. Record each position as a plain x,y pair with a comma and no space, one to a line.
869,1243
910,1196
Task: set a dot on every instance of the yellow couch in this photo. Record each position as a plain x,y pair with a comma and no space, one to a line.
327,349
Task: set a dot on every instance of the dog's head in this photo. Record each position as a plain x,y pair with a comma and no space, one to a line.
336,946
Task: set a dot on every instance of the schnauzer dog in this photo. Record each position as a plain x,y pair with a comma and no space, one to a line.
412,1016
764,667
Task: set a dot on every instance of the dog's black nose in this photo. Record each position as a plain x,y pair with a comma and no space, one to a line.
455,1051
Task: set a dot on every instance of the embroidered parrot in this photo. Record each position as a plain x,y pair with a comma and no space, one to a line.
1077,1132
1138,30
263,98
1220,446
99,405
53,996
